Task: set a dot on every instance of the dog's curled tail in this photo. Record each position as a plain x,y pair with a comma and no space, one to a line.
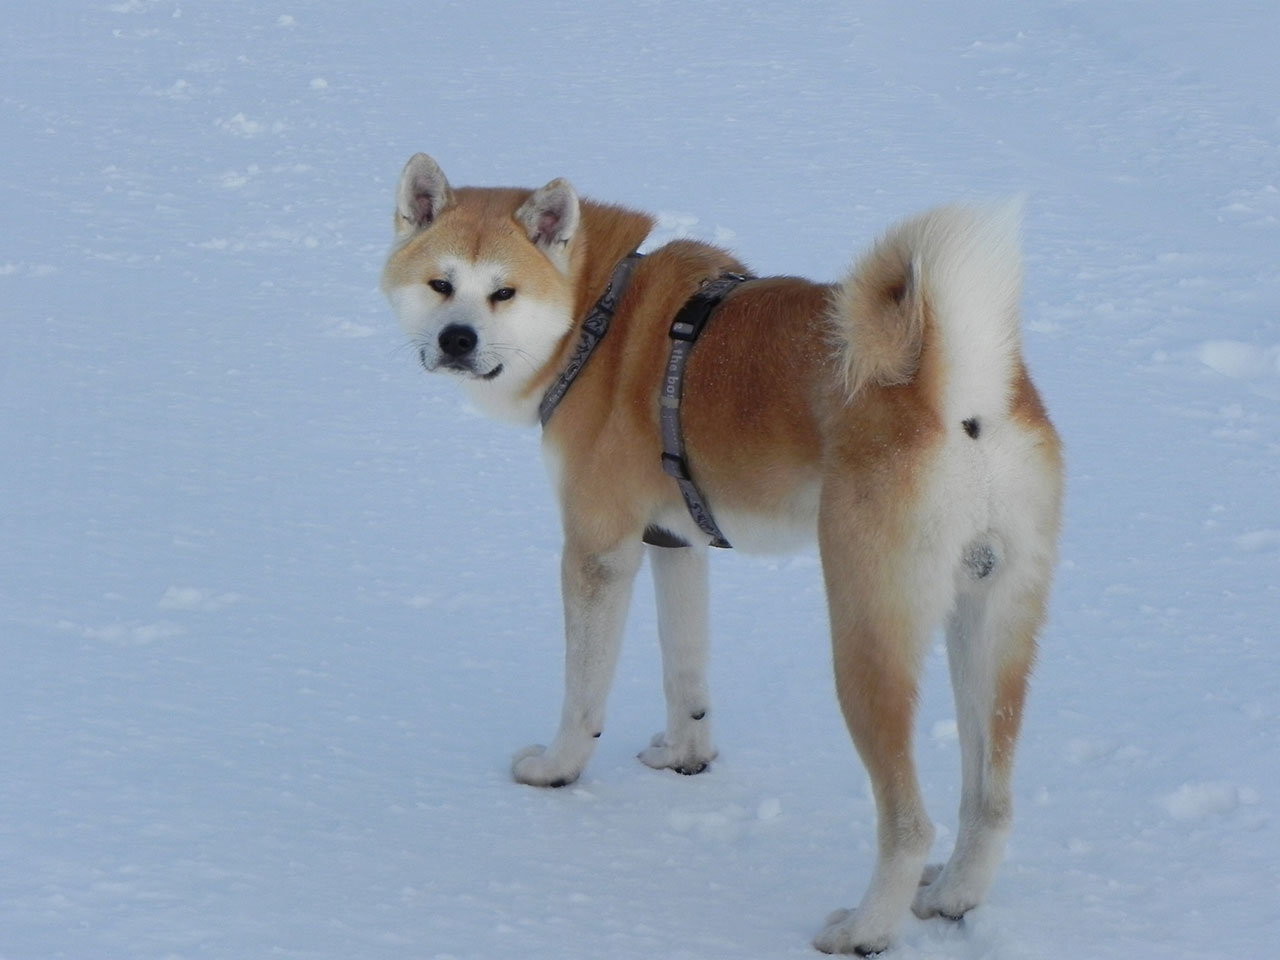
949,279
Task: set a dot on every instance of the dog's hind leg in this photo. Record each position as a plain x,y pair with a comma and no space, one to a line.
597,589
680,581
990,647
886,591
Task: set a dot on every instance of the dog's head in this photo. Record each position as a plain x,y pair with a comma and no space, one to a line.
481,281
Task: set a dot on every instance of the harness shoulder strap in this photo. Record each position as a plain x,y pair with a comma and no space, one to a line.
594,326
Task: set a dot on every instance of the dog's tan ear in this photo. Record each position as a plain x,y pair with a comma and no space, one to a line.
422,195
550,219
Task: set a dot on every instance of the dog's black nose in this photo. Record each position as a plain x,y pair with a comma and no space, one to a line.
457,340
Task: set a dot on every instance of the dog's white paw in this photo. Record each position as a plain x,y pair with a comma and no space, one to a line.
847,933
687,759
538,768
937,897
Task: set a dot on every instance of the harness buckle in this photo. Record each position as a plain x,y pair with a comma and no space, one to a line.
693,317
684,330
673,465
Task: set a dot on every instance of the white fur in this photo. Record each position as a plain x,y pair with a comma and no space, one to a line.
792,527
520,335
985,615
553,463
680,581
872,926
971,270
596,589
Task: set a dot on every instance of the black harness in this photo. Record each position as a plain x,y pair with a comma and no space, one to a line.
685,329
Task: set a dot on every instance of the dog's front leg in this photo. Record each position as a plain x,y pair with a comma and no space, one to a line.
680,581
597,589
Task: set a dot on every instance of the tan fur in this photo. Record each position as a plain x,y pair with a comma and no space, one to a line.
884,349
813,406
476,226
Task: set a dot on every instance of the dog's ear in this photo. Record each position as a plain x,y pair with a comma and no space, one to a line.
422,195
550,219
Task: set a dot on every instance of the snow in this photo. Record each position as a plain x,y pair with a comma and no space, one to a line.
277,607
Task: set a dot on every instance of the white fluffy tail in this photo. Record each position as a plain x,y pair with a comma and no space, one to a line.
947,280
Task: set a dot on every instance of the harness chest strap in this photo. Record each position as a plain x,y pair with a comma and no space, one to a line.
685,330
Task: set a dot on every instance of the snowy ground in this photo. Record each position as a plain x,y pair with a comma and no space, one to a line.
276,607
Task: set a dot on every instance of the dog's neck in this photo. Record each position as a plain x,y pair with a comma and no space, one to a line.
607,237
590,331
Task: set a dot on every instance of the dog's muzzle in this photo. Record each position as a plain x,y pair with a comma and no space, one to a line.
457,345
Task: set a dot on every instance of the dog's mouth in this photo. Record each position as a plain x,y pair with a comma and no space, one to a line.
462,366
466,370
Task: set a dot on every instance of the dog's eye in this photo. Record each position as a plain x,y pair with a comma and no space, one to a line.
502,293
442,287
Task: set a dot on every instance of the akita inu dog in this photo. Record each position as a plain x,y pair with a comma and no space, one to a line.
890,414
